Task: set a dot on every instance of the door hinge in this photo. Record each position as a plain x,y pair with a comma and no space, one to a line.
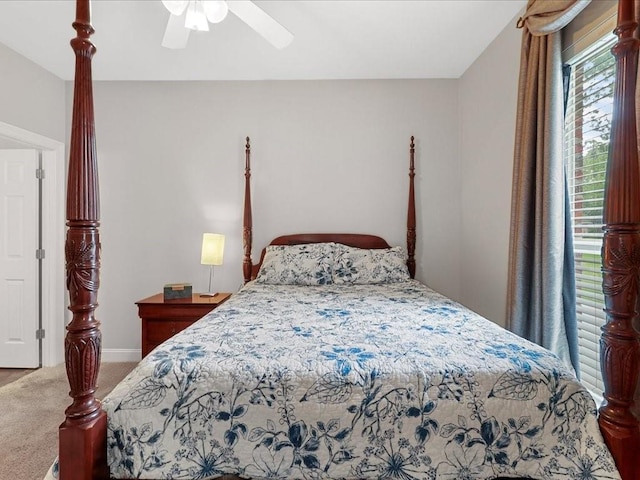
40,254
40,334
40,173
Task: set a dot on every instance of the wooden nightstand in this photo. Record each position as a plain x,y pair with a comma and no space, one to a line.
162,319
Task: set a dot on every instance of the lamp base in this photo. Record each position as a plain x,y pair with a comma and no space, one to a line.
208,294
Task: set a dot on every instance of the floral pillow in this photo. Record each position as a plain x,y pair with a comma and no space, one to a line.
362,266
306,264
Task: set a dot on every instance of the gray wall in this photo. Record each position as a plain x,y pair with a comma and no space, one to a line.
488,93
328,156
31,97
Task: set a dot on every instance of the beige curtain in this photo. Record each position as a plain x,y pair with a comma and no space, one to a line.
543,17
541,289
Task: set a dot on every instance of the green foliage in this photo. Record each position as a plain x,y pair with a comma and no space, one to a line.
594,84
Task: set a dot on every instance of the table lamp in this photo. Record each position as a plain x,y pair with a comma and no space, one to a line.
212,253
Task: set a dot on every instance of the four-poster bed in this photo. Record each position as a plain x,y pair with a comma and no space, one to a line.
83,435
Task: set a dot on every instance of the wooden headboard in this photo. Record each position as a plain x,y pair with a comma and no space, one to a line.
250,270
352,239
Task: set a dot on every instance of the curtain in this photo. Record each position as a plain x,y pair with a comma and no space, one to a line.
541,286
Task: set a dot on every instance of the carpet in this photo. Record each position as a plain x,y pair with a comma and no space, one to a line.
29,435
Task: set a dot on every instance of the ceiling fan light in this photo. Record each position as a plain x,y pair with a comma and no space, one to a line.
195,18
175,7
215,10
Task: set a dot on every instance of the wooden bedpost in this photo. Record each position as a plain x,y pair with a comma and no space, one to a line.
411,214
82,436
247,234
620,341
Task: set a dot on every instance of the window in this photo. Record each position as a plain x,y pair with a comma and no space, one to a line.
587,127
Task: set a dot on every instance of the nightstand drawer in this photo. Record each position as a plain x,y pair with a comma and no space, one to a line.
162,319
160,330
175,311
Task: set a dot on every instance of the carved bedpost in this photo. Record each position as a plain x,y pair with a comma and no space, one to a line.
247,233
82,436
620,341
411,214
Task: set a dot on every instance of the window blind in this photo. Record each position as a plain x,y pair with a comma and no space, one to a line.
598,19
587,129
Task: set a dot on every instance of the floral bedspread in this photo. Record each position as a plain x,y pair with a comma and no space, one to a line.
351,382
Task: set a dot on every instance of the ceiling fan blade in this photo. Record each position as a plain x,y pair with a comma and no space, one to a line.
176,35
262,23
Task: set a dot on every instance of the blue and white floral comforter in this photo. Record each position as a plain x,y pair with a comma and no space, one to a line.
351,382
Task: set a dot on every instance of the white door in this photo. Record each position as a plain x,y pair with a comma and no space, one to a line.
19,347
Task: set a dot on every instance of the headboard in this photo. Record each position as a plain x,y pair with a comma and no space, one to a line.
358,240
351,239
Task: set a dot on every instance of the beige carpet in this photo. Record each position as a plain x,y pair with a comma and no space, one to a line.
31,409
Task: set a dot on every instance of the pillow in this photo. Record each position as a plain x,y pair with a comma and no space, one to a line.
362,266
305,264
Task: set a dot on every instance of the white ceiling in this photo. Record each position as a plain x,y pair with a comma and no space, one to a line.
334,39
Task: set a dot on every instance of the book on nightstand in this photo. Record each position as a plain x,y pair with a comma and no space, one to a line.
177,291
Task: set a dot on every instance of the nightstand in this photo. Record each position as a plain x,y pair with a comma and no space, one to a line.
162,319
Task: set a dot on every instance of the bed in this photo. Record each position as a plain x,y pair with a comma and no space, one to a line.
326,426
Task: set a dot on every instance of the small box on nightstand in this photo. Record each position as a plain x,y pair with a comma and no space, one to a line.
177,291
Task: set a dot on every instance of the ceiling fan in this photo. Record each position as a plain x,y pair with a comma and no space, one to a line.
187,15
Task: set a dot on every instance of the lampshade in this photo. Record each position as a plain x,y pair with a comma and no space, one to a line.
175,7
196,18
198,12
212,249
215,10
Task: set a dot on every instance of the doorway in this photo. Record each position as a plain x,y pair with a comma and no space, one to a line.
53,315
20,345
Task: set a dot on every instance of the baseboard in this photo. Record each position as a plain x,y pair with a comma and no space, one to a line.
120,355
